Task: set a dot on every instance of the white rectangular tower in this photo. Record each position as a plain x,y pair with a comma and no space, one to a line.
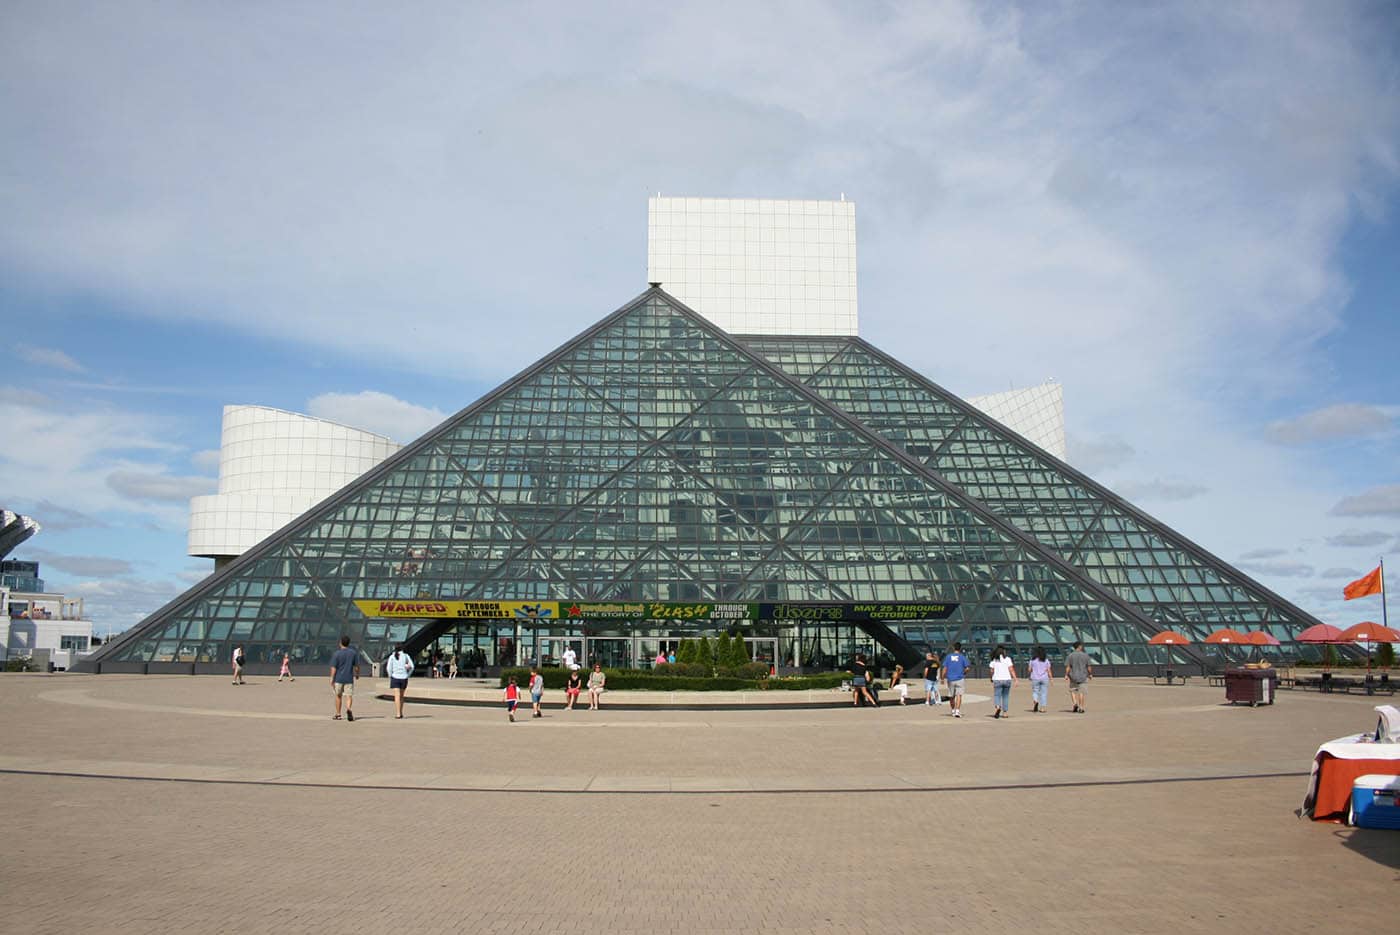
757,265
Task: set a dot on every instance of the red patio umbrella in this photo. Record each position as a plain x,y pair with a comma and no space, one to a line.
1369,632
1321,633
1226,636
1168,639
1260,638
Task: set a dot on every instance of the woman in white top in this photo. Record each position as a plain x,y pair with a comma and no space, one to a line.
399,667
1003,677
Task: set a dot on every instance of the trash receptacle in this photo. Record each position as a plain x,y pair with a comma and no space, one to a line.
1254,686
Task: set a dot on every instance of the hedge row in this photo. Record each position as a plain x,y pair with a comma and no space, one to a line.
637,679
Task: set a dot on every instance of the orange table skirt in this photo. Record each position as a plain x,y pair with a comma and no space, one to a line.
1334,779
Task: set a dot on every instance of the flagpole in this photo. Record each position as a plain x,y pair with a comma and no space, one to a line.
1385,619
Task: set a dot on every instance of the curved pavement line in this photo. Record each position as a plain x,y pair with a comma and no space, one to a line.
84,697
1004,787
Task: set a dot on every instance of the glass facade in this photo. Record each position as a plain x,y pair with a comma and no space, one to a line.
1172,580
656,458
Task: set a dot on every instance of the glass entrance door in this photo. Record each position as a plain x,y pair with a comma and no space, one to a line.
763,649
614,652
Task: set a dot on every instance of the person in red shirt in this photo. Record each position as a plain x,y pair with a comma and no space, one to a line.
512,698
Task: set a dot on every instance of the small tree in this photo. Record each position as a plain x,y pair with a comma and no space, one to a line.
724,652
686,652
1385,656
705,652
738,652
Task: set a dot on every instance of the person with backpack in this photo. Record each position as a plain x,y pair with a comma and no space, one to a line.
239,660
399,667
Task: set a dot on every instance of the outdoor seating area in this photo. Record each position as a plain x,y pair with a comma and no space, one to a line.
1360,683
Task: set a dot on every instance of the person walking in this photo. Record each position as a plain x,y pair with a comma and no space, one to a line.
286,672
1003,677
954,671
512,697
571,690
860,683
1079,669
399,667
345,668
536,692
897,684
238,662
1039,672
597,681
931,680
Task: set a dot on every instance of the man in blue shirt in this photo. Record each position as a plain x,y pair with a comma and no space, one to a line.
954,671
345,668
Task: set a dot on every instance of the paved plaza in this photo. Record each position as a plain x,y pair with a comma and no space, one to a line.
186,804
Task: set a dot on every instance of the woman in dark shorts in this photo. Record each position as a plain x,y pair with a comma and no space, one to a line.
399,667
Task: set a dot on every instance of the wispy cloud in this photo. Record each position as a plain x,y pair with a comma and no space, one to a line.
1378,501
1092,455
156,485
85,566
48,357
1279,568
55,518
1357,539
1347,420
1263,553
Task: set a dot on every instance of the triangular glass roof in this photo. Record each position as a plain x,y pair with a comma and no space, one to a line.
1170,578
651,458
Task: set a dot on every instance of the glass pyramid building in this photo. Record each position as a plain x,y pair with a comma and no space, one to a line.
656,477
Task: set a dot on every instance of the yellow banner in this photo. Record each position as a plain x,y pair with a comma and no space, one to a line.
465,610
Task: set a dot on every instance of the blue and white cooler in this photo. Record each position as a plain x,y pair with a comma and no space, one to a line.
1375,801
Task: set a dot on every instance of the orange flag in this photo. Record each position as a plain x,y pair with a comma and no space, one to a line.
1366,584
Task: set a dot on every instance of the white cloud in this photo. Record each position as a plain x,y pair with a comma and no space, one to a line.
84,566
119,603
1278,569
1159,490
207,460
157,485
1263,553
1348,573
1378,501
1094,455
55,518
49,357
376,412
1334,423
1357,539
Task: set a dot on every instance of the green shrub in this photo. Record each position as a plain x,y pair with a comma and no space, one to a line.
553,677
738,654
1385,655
724,652
679,677
24,664
705,652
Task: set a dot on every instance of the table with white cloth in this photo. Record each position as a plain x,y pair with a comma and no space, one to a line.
1337,764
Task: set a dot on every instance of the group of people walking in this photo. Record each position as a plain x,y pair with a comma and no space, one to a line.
951,672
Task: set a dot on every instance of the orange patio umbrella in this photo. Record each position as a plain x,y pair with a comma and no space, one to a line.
1369,632
1168,639
1227,636
1321,633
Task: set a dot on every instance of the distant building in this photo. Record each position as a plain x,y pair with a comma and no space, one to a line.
33,622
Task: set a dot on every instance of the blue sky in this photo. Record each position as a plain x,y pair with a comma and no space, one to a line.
1186,213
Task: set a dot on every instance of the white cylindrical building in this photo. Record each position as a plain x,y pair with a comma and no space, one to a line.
274,466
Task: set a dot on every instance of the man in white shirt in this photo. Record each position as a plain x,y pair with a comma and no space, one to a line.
570,658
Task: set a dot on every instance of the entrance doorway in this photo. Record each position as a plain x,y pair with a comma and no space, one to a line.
614,652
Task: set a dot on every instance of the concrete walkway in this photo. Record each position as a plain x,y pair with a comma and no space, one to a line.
188,804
